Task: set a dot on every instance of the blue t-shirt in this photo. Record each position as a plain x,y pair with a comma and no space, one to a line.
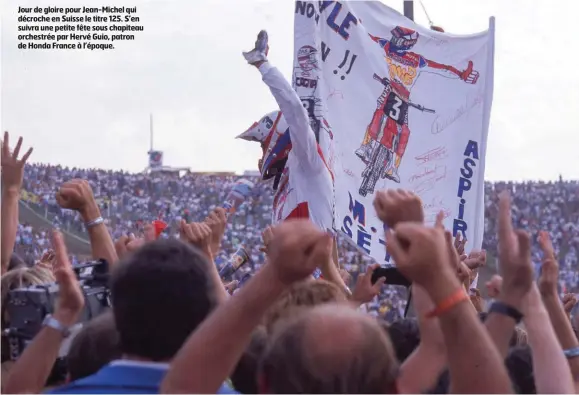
124,377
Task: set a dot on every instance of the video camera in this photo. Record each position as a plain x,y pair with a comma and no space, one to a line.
27,307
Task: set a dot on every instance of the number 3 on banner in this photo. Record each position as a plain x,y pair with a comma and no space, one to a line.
396,108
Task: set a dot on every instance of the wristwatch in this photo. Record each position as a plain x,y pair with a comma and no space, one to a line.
53,323
504,309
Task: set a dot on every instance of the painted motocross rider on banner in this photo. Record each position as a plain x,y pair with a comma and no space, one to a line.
389,124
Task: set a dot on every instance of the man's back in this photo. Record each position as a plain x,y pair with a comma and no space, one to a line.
124,377
119,377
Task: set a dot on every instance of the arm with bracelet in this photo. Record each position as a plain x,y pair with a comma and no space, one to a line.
101,243
559,320
33,367
550,367
473,361
426,256
77,195
517,278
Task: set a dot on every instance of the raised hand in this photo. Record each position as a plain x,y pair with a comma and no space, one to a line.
297,248
549,278
127,244
217,221
459,243
266,236
346,277
464,275
476,259
422,255
48,260
477,300
469,75
197,234
515,257
12,167
394,206
76,195
455,260
365,291
70,301
494,286
569,301
546,245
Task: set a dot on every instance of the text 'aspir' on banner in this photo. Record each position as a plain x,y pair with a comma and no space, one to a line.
354,227
464,185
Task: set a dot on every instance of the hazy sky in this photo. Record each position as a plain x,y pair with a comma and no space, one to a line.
91,109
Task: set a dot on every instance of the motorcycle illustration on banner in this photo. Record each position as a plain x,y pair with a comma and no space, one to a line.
394,115
389,124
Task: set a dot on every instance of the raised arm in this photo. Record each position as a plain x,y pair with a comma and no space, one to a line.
427,257
211,352
33,367
304,144
12,176
561,324
468,75
551,370
77,195
517,276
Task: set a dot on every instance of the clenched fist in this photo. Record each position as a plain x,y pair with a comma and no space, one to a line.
297,248
197,234
397,205
422,255
77,195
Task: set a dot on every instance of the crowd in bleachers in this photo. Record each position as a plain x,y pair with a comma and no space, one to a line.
129,200
153,281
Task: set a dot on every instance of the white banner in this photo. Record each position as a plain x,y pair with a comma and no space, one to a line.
408,107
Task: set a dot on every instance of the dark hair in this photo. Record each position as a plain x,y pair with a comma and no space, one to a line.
93,347
160,294
405,336
519,363
288,366
244,377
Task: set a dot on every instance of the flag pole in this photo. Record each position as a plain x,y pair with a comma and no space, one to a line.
151,131
409,9
409,13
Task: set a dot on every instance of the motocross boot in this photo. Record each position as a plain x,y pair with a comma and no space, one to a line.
259,52
364,152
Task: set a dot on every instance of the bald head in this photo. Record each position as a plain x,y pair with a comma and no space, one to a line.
330,349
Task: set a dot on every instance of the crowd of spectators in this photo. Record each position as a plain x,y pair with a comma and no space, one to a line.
129,200
283,331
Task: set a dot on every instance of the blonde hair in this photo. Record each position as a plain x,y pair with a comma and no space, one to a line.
23,277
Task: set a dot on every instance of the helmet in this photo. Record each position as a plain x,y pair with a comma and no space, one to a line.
272,132
403,38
